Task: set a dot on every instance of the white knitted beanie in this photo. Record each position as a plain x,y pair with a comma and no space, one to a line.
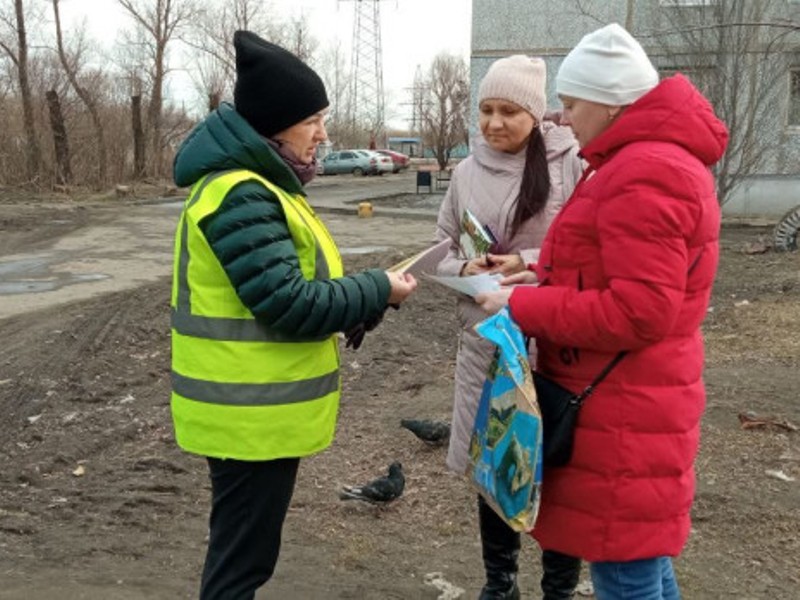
607,66
519,79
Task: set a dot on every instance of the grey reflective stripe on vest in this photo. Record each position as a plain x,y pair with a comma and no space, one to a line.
321,263
233,330
184,292
255,394
321,269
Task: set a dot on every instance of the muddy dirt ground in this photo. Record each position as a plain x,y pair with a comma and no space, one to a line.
96,501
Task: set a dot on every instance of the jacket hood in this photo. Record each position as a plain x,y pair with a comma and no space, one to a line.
558,140
224,141
674,112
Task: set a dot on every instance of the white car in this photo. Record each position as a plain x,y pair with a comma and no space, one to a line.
384,164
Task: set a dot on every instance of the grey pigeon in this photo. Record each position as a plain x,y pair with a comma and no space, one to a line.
379,491
431,432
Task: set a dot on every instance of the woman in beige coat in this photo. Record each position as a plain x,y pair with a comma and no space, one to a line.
521,170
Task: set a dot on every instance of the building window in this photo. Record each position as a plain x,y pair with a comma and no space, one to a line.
794,98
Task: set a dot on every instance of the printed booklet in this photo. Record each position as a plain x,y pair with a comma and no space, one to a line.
476,239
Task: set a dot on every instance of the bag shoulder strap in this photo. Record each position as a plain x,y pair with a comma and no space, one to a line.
587,391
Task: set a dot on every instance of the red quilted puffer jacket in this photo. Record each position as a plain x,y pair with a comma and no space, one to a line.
628,264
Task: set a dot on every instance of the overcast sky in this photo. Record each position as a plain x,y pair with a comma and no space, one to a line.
412,33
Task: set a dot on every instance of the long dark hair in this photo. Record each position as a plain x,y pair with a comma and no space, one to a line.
535,186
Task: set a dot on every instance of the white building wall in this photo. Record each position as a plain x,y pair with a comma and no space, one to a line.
549,29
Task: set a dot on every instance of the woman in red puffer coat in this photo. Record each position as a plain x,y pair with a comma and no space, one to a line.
627,265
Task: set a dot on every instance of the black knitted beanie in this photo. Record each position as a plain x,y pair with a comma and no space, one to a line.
274,89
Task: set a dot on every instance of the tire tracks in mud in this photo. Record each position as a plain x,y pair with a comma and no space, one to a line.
86,435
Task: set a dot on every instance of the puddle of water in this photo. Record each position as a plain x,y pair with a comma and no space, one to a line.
363,250
23,265
25,287
8,288
33,274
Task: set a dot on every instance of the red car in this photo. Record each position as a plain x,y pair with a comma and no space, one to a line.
399,159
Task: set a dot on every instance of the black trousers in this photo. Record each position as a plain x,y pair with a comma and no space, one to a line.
249,504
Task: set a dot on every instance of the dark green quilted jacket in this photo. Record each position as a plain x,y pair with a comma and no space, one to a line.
251,239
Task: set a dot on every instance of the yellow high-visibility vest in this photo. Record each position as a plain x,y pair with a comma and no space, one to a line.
240,390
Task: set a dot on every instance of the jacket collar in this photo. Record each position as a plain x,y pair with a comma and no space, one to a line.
673,112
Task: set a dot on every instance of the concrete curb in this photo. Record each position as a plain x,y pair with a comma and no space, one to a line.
327,206
378,211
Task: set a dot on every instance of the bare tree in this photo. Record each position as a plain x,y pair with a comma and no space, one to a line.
212,40
734,51
71,68
212,78
5,119
444,106
19,57
298,39
162,21
60,139
132,60
138,136
418,102
215,62
332,67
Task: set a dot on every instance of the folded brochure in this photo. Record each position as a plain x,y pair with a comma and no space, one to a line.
425,261
476,239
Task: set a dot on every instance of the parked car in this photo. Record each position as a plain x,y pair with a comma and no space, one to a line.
349,161
399,160
384,164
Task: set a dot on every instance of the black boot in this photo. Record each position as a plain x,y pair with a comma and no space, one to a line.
560,575
500,546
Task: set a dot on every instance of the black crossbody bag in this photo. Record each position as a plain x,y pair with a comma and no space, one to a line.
559,408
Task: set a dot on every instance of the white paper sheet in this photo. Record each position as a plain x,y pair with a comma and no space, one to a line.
472,285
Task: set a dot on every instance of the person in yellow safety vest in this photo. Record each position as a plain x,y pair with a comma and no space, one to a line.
258,299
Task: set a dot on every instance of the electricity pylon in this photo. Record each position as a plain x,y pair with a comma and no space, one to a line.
367,100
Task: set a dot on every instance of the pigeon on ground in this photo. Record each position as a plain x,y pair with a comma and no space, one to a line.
435,433
379,491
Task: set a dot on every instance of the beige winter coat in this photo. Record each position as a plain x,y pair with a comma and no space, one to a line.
487,183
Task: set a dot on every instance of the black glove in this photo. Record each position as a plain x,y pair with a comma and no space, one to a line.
355,336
